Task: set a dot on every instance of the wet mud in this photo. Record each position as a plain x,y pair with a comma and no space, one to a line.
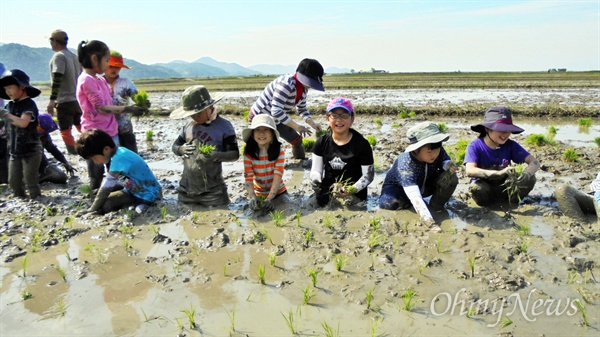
175,270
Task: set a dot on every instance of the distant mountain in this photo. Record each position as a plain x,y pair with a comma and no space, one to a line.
230,68
34,61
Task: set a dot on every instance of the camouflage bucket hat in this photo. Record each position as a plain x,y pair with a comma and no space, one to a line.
424,133
193,100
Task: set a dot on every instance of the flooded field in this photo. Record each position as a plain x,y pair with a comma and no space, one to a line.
176,270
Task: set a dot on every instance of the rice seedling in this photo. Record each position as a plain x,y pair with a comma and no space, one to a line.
378,121
572,276
290,322
442,127
146,320
369,298
438,246
25,295
375,240
59,308
62,273
36,241
408,299
313,273
85,189
524,230
582,309
195,216
141,99
126,229
261,273
206,149
191,316
24,265
231,316
68,222
375,223
412,114
552,130
225,269
127,245
524,247
330,331
246,114
307,294
472,263
249,297
371,139
570,155
506,322
272,259
403,114
539,140
458,151
339,261
375,326
277,217
50,211
179,324
149,135
328,222
308,236
597,141
395,125
471,312
130,214
321,133
298,216
164,211
154,229
585,122
308,144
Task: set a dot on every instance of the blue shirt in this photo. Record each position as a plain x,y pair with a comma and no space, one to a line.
135,174
407,171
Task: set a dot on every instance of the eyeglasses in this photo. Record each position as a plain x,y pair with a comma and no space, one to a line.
339,116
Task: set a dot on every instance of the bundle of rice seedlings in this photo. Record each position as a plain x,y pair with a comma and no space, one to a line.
141,99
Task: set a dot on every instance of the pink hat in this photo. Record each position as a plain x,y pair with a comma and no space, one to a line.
341,102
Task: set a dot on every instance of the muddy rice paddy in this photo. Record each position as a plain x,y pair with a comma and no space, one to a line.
176,270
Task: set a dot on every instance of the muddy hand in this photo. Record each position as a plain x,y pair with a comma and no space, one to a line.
3,113
187,150
304,131
135,110
70,169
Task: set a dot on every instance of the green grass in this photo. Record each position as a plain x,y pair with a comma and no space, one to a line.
327,221
570,155
597,141
375,223
524,247
539,140
339,261
442,127
371,139
307,294
378,121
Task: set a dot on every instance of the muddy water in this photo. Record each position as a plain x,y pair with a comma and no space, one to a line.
143,276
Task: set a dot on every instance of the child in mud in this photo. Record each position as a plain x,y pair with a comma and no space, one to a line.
342,159
205,143
121,89
282,94
24,146
49,172
129,181
93,95
264,161
488,159
576,204
424,169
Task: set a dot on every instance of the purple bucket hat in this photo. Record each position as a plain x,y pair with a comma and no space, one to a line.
46,123
498,118
341,102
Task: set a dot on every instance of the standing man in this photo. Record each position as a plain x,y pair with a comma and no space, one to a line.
64,70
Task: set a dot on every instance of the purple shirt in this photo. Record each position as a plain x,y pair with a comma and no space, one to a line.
488,159
93,91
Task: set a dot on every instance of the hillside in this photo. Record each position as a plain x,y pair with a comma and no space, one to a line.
34,61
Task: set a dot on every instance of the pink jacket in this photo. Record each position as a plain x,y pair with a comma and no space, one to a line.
93,91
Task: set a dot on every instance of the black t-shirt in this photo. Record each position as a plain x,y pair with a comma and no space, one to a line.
23,142
343,162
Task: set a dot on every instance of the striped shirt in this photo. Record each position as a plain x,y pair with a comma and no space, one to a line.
261,171
278,98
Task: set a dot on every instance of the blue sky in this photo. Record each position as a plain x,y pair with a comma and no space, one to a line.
398,36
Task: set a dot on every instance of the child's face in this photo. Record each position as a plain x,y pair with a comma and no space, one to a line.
203,116
103,158
263,135
498,137
102,66
339,120
427,155
112,72
14,92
